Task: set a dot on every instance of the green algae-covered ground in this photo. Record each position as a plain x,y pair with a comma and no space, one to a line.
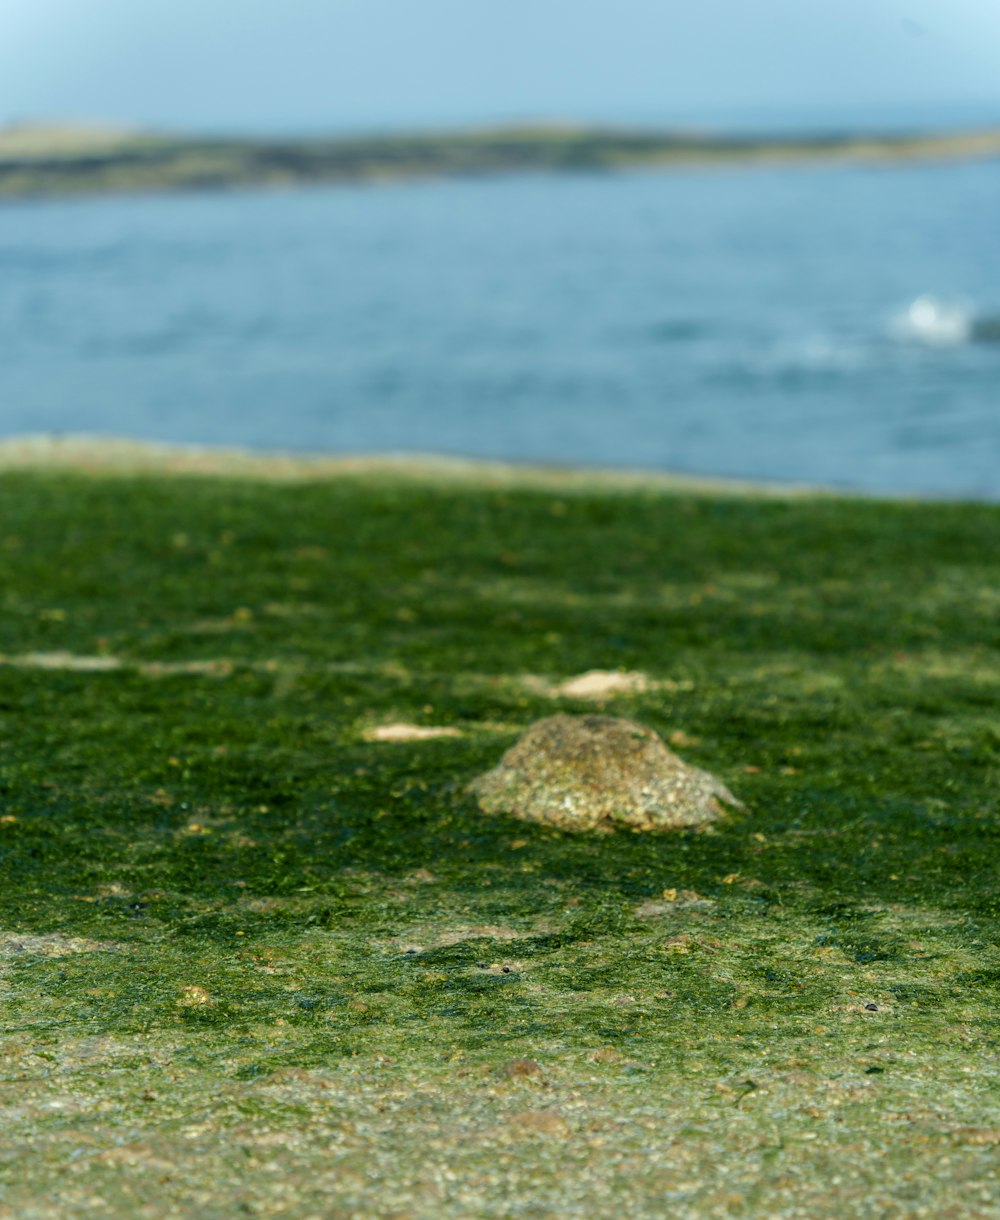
254,962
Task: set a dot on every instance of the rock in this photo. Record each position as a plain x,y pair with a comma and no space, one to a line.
596,773
539,1122
519,1068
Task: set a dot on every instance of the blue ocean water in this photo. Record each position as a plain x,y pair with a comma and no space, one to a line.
821,323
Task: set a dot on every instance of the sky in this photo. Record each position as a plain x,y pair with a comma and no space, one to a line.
284,65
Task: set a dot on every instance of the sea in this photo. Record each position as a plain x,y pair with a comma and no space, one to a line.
823,323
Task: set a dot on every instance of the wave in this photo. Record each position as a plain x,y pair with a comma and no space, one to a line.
930,323
939,322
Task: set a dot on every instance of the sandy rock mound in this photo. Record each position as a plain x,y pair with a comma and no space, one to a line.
598,772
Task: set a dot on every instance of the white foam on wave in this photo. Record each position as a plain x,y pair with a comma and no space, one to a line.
934,321
928,322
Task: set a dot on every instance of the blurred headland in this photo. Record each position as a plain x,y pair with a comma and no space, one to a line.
65,158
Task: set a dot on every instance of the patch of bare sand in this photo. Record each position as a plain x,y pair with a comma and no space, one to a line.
62,660
51,944
101,663
410,732
213,667
594,685
217,667
430,936
602,684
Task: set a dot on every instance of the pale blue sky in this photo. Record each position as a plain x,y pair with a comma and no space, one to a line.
312,64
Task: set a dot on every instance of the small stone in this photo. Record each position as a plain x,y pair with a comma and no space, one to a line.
596,773
518,1069
195,997
540,1122
983,1137
606,1054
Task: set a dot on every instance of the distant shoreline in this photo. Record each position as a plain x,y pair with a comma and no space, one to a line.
124,456
65,161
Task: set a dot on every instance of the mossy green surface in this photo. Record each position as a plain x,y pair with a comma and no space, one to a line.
254,963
